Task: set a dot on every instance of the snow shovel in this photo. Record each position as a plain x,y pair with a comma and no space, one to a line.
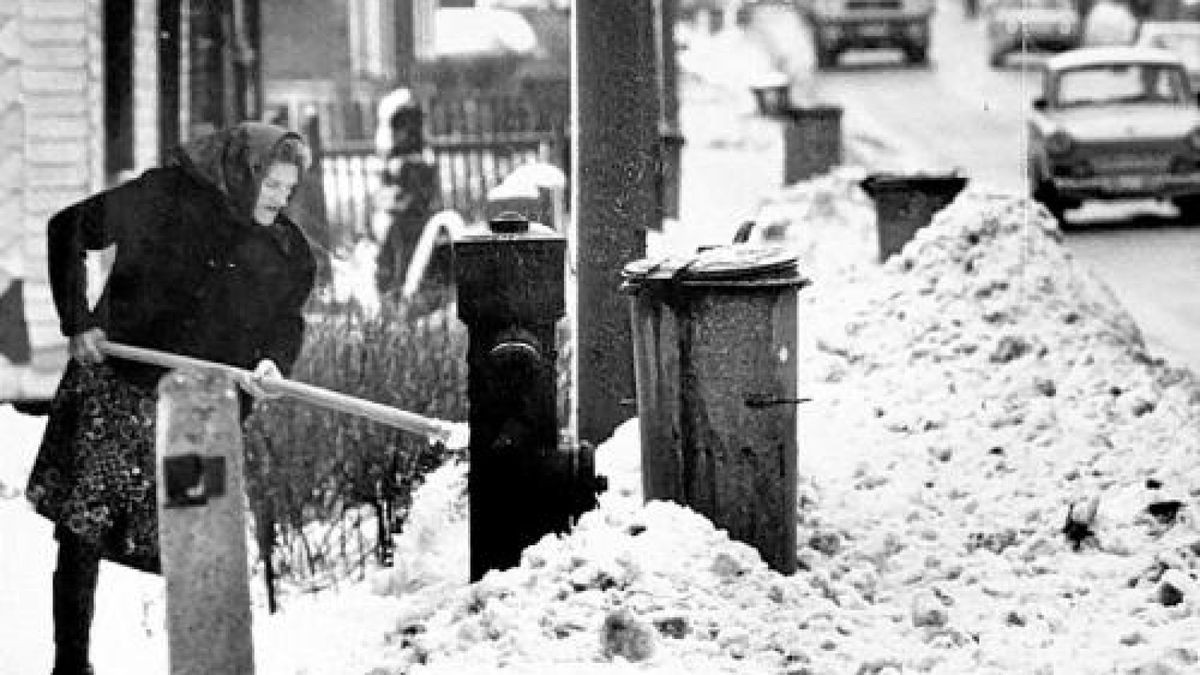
435,430
201,503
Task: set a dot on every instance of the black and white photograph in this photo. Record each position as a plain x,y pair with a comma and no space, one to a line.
599,337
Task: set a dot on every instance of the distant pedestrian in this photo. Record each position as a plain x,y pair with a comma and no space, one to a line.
206,265
411,189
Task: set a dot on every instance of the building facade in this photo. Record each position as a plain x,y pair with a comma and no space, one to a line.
91,93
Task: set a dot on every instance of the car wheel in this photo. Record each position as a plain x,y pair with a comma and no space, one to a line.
1047,196
996,59
917,54
1189,208
826,58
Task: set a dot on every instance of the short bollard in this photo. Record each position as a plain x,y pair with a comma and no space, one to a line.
812,141
202,525
906,203
522,482
714,355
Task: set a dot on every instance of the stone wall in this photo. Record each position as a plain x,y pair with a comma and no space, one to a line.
51,133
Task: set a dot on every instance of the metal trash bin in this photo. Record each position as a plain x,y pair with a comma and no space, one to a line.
812,141
906,203
714,337
772,93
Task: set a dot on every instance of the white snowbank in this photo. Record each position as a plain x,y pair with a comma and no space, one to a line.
966,393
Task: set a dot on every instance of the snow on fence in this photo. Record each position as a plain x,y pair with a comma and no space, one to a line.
476,139
468,166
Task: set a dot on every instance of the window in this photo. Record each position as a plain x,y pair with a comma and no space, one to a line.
118,86
372,27
1121,83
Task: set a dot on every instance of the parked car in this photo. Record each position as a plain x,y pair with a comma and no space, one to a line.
1181,37
841,25
1022,25
1115,123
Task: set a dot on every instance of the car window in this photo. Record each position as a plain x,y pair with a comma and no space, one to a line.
1032,4
1123,83
1186,46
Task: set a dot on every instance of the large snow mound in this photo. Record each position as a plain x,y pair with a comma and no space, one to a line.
968,394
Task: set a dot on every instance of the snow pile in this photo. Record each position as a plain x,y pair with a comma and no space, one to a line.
968,395
432,550
828,221
731,59
979,384
657,586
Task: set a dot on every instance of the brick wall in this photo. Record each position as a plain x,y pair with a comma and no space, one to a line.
50,142
52,148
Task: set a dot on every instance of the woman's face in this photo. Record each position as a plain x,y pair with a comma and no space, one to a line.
276,190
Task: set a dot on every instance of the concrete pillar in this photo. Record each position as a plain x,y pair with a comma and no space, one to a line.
615,102
202,525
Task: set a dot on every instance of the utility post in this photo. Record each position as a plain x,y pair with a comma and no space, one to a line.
246,56
414,23
615,145
406,42
209,91
672,136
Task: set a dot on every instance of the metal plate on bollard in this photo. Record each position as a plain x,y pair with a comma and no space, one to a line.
191,480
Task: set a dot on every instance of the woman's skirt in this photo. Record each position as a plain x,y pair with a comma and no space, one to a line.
94,473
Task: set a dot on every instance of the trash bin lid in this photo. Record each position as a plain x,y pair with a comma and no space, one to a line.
946,183
729,265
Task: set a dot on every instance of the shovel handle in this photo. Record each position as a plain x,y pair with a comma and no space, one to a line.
419,424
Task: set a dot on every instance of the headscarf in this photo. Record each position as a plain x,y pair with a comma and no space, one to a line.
234,160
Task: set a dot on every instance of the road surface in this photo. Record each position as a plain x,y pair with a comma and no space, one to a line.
960,114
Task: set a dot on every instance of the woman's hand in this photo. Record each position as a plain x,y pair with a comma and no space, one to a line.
85,347
254,382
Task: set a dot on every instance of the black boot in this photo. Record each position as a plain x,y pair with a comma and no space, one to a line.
75,581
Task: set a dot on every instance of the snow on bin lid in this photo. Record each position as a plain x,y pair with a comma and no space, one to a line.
735,264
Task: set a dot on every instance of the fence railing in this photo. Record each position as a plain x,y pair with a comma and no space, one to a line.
483,113
469,165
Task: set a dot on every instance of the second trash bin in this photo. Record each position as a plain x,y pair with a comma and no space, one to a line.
714,338
812,141
906,203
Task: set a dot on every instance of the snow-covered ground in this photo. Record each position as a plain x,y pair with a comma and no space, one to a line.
965,395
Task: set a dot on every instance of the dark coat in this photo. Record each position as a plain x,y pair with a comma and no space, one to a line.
416,196
188,276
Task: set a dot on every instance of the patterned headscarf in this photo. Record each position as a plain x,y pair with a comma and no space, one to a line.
235,160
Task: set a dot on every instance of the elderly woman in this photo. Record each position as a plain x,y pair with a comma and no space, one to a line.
206,265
